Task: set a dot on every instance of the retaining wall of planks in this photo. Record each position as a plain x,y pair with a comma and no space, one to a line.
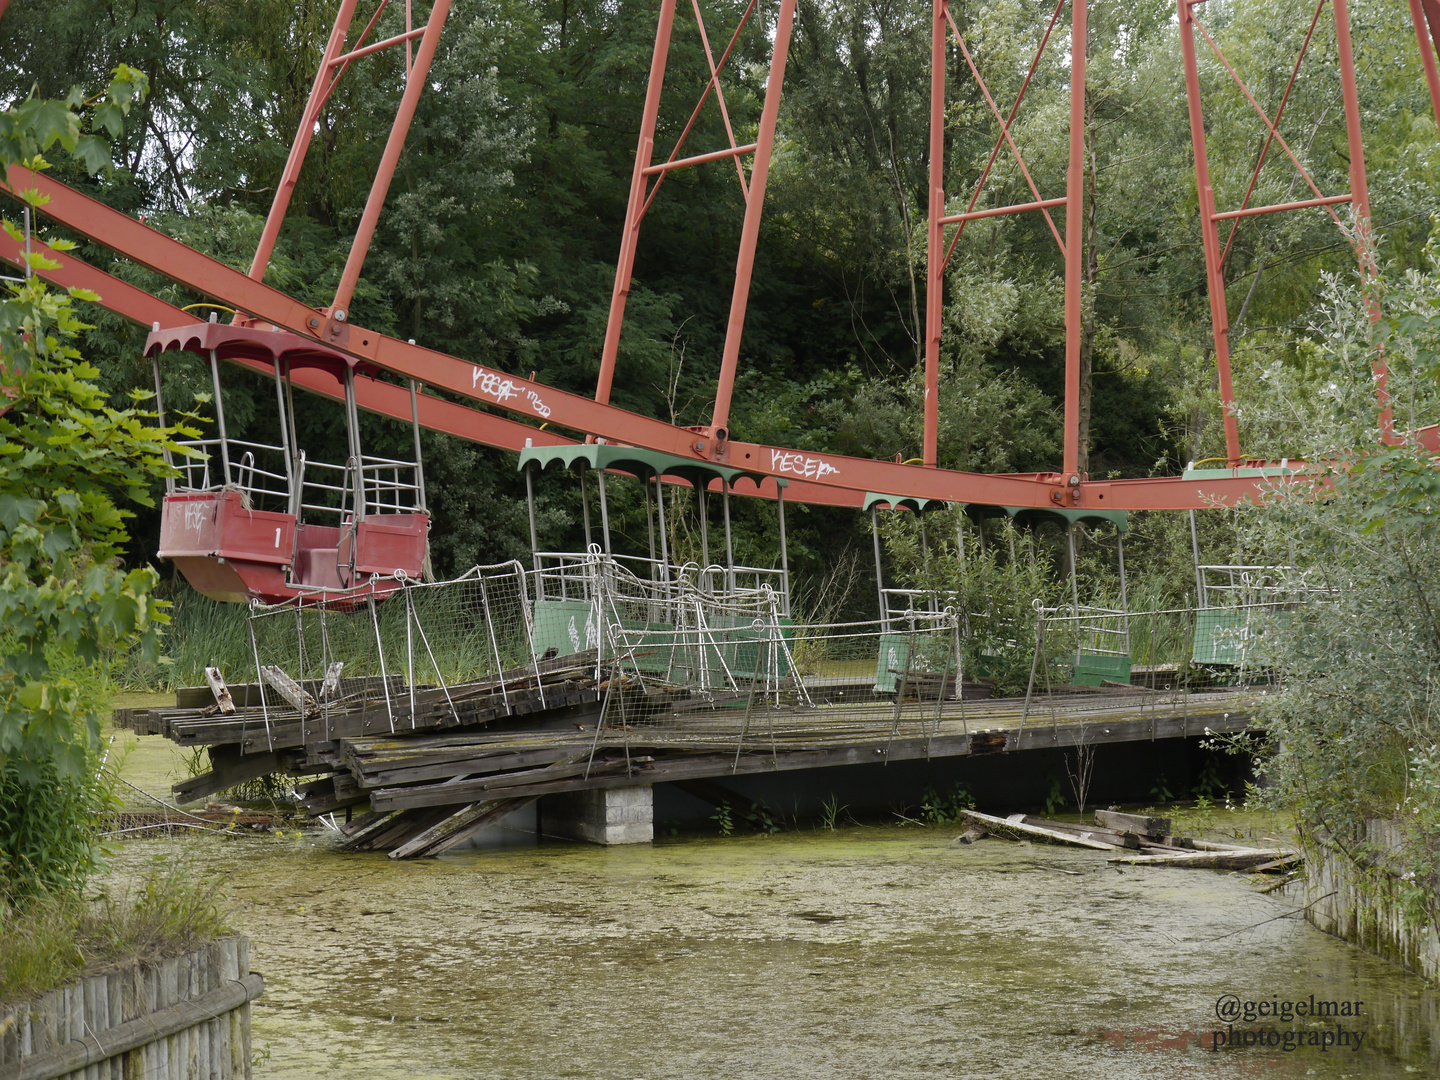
186,1018
1365,906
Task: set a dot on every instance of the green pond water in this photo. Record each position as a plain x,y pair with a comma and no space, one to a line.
867,952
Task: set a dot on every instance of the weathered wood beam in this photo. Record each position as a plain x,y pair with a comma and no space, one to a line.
1211,860
459,827
1015,825
227,770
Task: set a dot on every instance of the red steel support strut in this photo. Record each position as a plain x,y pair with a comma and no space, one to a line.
1074,244
938,254
750,231
1360,205
319,94
935,241
1210,235
414,83
1358,197
635,209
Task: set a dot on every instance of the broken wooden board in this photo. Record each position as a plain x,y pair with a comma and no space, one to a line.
1140,824
293,693
459,827
248,694
228,768
1087,832
219,690
1015,826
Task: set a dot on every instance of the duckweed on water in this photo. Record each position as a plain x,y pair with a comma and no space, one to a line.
858,952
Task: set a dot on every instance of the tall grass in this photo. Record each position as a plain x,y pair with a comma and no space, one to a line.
1160,633
205,632
201,632
56,937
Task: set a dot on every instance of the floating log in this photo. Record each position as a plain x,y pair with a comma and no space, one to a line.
1209,860
1211,845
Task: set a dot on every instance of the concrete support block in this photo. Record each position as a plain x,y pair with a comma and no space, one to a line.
622,815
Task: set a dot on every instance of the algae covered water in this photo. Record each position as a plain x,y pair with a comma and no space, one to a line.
859,953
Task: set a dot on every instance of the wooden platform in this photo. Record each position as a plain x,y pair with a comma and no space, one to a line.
445,761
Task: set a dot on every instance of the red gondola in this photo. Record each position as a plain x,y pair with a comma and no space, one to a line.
252,521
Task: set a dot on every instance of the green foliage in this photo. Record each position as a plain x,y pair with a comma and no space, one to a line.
1161,792
31,127
47,816
1055,798
992,590
1352,733
67,460
724,818
936,809
761,820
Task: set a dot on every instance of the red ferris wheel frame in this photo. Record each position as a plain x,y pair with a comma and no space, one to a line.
839,478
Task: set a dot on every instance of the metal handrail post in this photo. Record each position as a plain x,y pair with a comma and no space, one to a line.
879,577
419,458
220,411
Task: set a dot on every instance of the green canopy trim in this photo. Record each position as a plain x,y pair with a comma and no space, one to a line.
1064,517
1032,516
1222,474
907,502
637,462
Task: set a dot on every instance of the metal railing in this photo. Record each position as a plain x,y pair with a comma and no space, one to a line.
268,479
573,575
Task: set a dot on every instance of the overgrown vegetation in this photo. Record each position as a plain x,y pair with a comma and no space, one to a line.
69,462
59,936
1354,733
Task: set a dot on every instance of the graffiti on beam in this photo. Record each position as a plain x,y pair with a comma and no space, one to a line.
811,468
502,388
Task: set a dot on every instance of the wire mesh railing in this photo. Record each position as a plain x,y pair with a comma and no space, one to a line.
670,657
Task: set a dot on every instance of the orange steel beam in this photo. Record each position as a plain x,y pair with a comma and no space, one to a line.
205,275
372,395
937,254
935,238
750,227
1074,247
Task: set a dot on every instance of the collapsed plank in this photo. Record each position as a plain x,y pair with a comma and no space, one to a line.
1139,824
459,827
229,769
1015,825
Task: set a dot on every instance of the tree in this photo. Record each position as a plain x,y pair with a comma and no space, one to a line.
1354,732
67,461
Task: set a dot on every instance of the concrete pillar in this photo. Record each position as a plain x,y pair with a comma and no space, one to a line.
620,815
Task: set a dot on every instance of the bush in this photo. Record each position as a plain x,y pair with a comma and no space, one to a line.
68,459
1354,734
